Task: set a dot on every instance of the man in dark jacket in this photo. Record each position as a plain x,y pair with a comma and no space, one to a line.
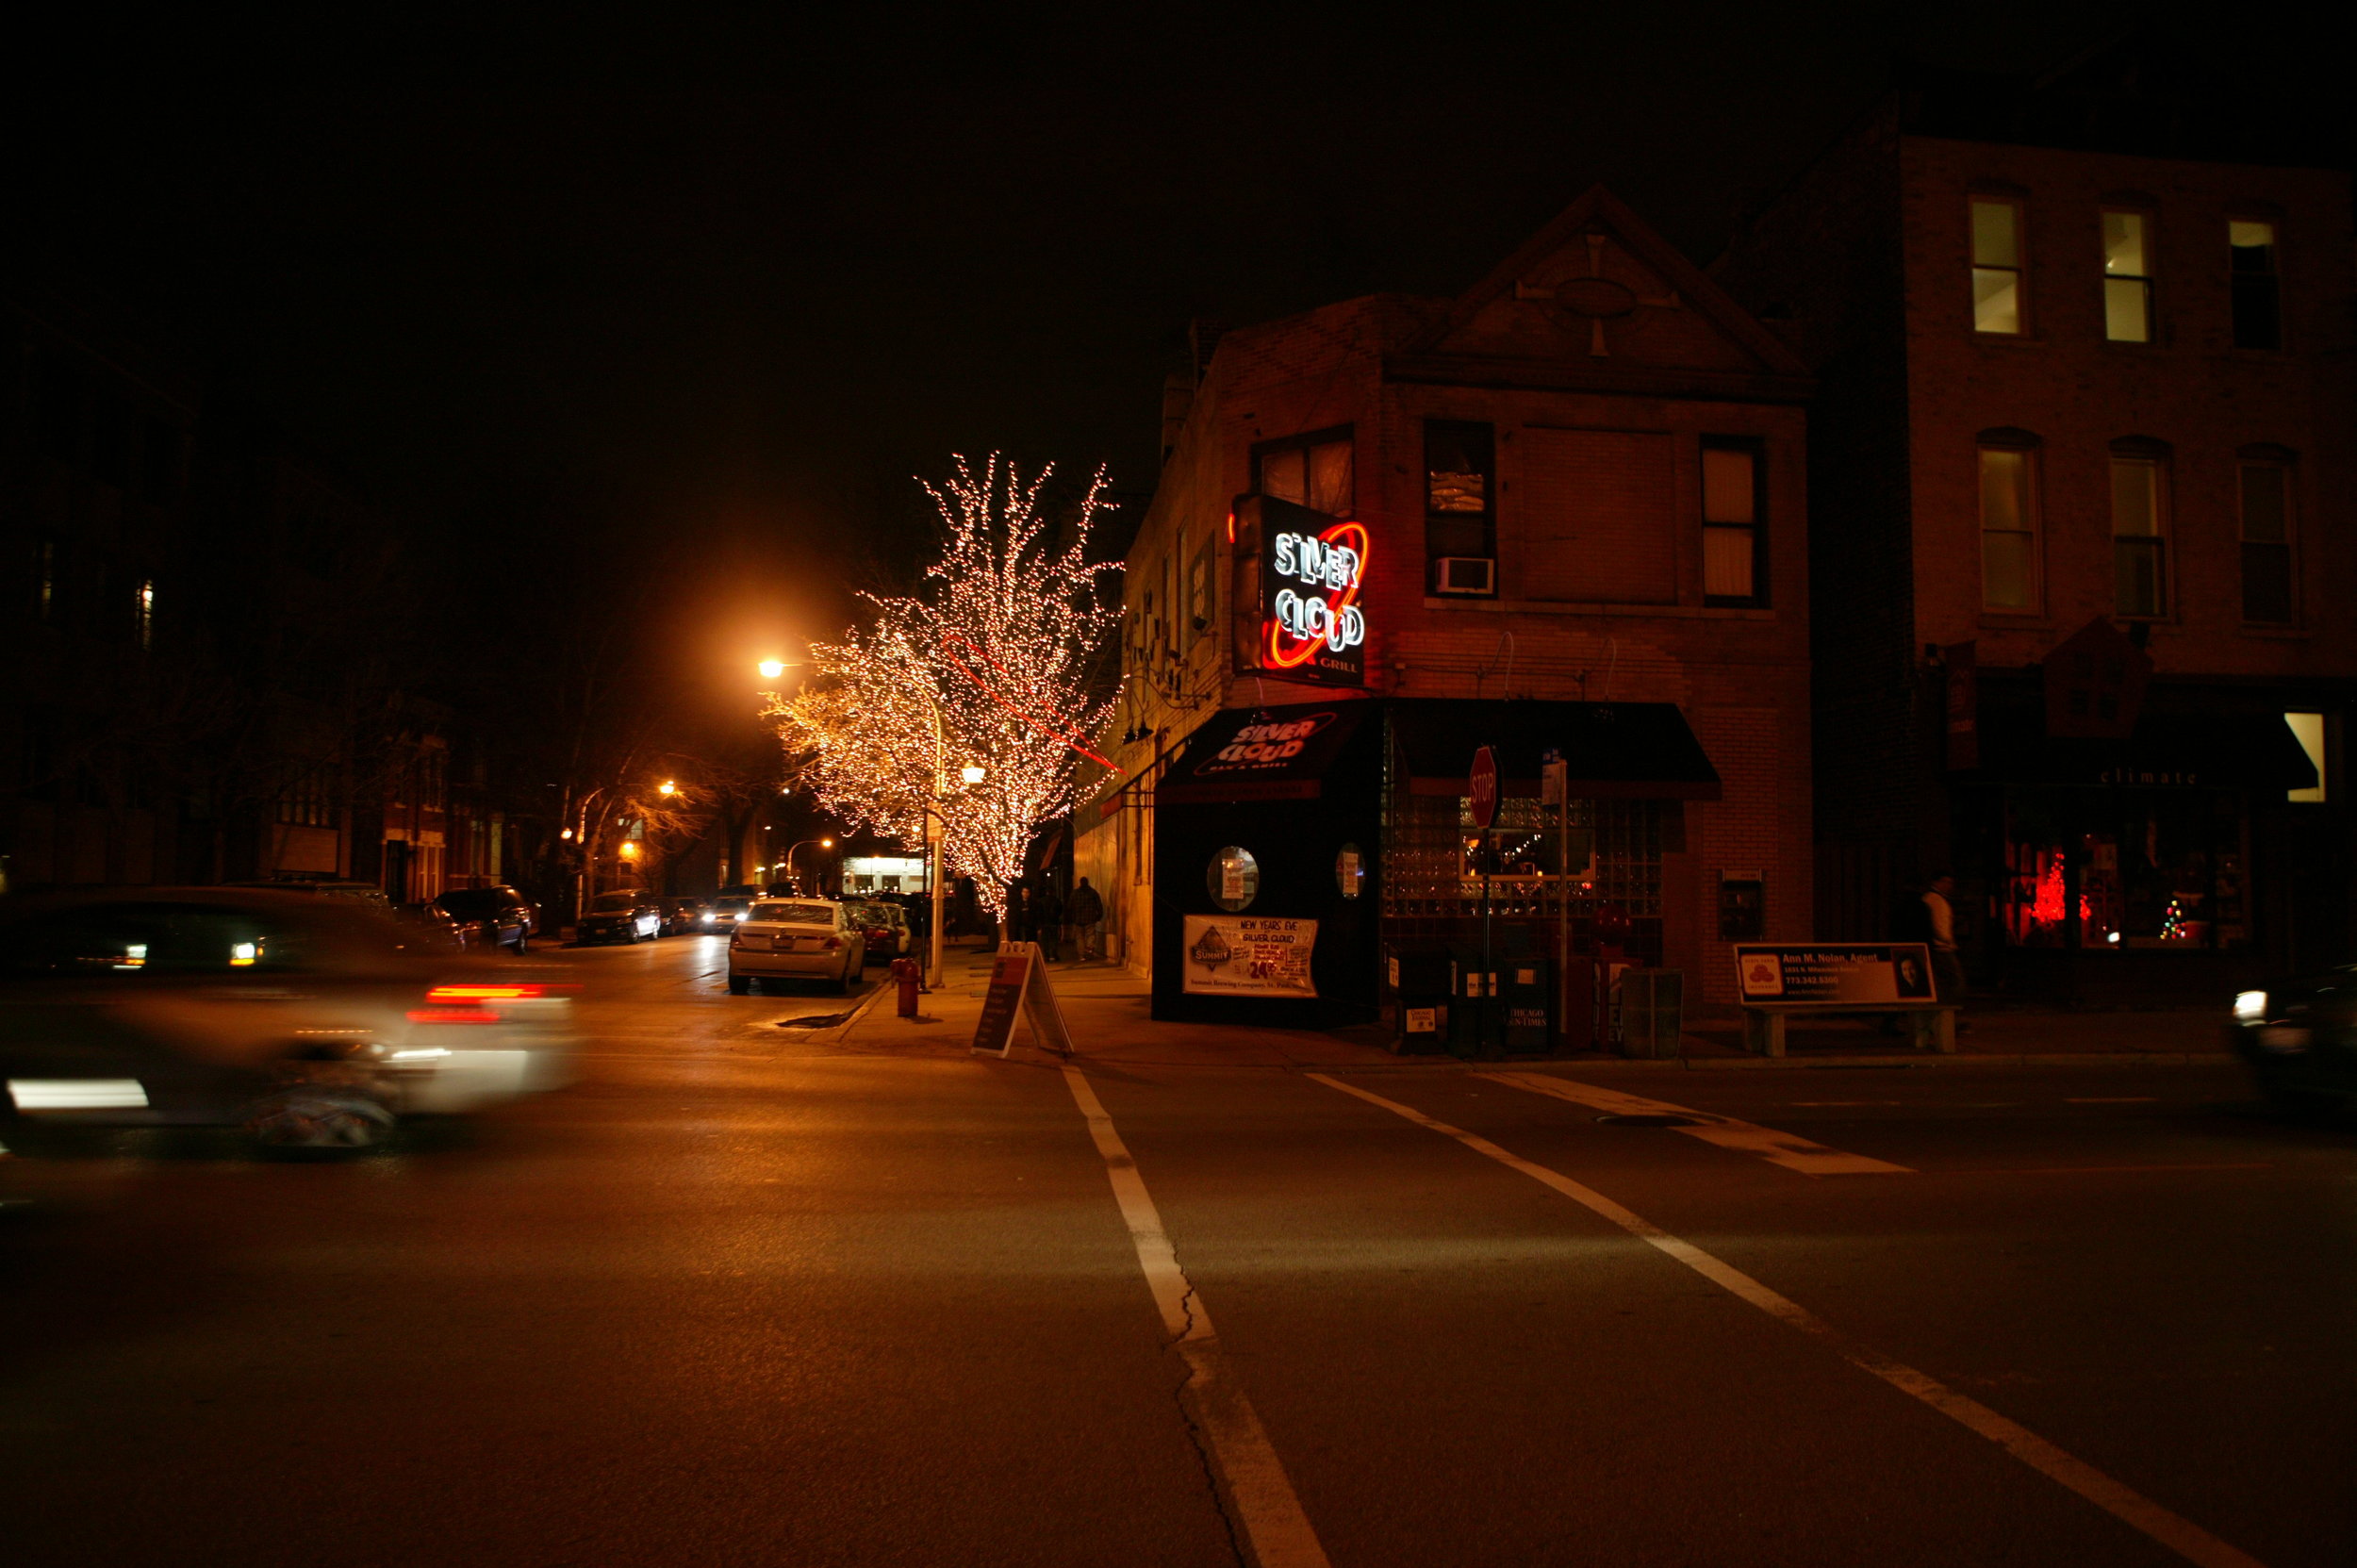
1086,912
1048,922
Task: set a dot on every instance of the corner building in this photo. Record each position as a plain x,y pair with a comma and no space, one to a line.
1563,513
2080,491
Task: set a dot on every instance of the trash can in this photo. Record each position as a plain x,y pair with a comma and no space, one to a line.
1652,1011
1527,985
1416,981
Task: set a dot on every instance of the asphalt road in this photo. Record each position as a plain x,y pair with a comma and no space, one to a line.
746,1296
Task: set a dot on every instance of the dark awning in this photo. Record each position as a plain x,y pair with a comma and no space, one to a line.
2183,750
1613,749
1262,753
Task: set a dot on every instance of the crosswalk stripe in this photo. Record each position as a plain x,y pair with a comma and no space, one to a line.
1788,1149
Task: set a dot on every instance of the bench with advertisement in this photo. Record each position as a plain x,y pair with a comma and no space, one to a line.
1893,979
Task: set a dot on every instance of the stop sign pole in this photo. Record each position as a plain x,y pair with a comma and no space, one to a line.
1484,785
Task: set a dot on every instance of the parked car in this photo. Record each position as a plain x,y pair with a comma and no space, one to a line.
499,916
2299,1038
728,909
308,1021
684,916
625,915
885,926
796,939
435,927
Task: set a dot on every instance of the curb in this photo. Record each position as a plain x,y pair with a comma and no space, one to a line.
1783,1064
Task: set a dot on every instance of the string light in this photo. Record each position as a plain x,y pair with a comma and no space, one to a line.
995,646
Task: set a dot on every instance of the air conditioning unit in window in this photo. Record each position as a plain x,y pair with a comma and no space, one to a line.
1465,574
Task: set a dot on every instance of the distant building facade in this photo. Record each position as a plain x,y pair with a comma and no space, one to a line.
2081,503
1564,512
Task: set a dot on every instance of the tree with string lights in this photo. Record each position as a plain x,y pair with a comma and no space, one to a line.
970,696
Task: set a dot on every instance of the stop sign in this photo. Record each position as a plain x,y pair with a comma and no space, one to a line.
1485,788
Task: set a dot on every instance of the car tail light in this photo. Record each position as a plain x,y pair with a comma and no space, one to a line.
453,1015
833,942
496,993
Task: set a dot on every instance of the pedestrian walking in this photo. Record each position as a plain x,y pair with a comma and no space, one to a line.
1939,919
1047,921
1086,912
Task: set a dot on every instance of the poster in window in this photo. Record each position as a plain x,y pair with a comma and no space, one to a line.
1243,955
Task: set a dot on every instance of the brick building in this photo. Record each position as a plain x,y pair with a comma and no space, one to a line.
2080,491
1563,511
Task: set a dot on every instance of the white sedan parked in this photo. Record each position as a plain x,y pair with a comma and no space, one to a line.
795,939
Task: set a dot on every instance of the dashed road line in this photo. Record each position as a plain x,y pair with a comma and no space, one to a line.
1275,1531
1788,1149
2181,1535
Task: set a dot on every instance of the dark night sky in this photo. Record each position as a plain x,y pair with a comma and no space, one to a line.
724,285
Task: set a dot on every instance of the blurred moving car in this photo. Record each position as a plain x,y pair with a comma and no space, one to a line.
499,916
2299,1038
886,927
308,1021
728,909
683,917
435,926
626,915
363,893
796,939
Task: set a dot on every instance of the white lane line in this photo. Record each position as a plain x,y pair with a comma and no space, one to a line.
1778,1148
2181,1535
2114,1099
1261,1496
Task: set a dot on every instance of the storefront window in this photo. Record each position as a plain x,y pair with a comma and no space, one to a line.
2126,869
1234,878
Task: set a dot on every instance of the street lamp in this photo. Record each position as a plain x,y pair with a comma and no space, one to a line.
787,864
773,669
972,774
666,787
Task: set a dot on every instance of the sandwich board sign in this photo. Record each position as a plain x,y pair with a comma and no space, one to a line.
1018,983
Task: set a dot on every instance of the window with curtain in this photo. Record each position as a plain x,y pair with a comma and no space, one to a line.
2009,552
2139,536
1311,470
2256,287
1997,303
2127,277
2265,497
1734,532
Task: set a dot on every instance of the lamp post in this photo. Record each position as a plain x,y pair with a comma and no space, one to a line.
787,864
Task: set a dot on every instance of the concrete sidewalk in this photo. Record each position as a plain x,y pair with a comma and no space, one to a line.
1105,1009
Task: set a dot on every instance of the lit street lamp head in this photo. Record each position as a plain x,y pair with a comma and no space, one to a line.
972,774
773,669
666,787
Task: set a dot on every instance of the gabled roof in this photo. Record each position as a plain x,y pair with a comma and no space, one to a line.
1600,212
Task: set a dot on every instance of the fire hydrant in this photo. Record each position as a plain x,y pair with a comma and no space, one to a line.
905,974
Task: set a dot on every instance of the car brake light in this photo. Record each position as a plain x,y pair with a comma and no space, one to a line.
833,942
453,1015
496,993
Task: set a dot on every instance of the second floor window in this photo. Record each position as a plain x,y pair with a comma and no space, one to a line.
2127,277
2267,542
1997,283
2139,536
1309,471
2257,290
1461,505
2008,528
1734,571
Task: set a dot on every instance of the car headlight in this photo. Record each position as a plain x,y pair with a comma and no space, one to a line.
2251,1006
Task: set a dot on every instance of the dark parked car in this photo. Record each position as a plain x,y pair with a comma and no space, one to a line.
495,916
2299,1038
438,928
310,1021
885,926
685,916
625,915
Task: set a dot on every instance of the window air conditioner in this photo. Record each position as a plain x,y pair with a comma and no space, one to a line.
1465,574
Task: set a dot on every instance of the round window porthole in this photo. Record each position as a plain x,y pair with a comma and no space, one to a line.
1350,871
1234,878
